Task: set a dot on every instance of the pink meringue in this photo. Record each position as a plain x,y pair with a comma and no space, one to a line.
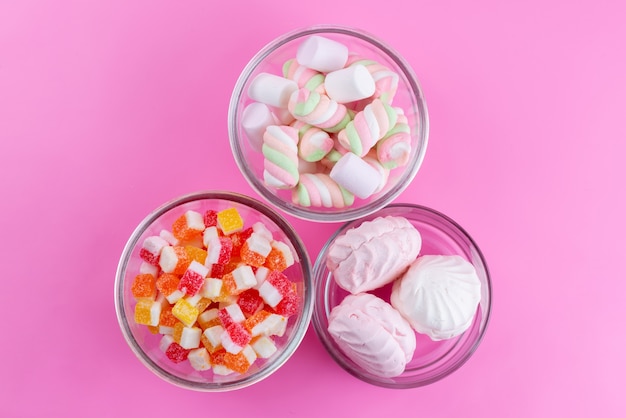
372,334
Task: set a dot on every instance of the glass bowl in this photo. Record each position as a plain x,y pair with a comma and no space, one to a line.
409,98
145,344
432,360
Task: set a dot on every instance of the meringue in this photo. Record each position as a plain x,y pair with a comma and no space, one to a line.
438,295
373,254
372,334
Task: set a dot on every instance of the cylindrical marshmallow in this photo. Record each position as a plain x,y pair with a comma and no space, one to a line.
271,89
255,119
350,84
322,54
356,175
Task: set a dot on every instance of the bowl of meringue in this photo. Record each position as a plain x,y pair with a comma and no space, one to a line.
403,296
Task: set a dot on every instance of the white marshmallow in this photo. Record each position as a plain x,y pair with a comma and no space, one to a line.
271,89
285,250
282,116
259,244
199,359
322,54
355,175
264,347
255,119
190,337
350,84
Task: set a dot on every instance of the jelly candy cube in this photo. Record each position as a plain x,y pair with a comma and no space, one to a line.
274,288
241,278
189,226
144,287
209,234
185,312
190,337
178,331
167,321
213,336
255,250
219,250
210,218
250,302
196,254
235,338
215,270
167,284
231,314
217,360
238,238
211,288
176,353
265,323
229,221
208,318
199,359
259,228
174,260
280,257
147,268
241,361
263,346
151,249
261,274
193,278
203,304
147,312
288,305
169,237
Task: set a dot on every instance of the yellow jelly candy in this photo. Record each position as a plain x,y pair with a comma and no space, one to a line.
185,312
230,221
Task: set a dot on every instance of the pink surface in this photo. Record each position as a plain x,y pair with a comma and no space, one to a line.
110,108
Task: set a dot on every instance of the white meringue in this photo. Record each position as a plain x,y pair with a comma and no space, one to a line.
438,295
372,334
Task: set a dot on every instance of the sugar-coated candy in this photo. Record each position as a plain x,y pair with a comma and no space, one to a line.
322,54
229,221
219,251
250,302
193,278
165,342
208,318
280,257
174,259
188,226
231,314
176,353
265,323
304,77
190,337
147,312
167,284
244,278
259,228
167,321
271,89
235,337
147,268
319,190
280,152
350,84
213,336
144,287
178,331
263,346
368,127
217,360
199,359
355,175
185,312
318,110
210,233
241,361
203,303
211,288
169,237
196,253
238,238
288,305
255,250
151,249
275,287
260,275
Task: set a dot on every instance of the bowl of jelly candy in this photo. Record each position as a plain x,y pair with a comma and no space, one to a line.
213,291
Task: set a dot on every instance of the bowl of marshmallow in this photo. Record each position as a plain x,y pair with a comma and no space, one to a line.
328,123
403,296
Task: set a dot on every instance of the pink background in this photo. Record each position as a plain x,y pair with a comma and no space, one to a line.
110,108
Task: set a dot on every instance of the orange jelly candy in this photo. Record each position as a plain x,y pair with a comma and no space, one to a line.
144,286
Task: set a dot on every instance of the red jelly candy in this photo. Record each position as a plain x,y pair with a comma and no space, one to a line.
210,218
238,238
280,282
176,353
238,334
216,271
250,302
190,283
288,305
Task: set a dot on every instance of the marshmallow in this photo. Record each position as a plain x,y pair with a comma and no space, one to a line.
356,175
350,84
322,54
271,89
255,119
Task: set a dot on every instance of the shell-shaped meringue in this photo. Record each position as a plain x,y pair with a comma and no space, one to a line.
438,295
372,334
373,254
